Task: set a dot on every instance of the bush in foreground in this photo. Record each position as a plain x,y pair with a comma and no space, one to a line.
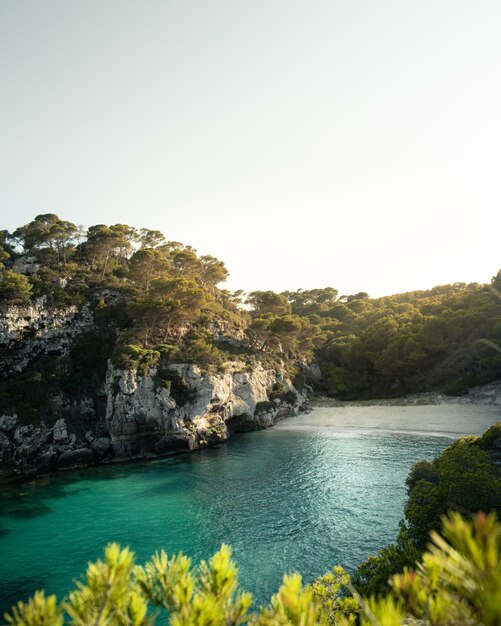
465,477
458,582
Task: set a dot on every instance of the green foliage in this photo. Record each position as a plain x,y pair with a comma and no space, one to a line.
422,470
213,271
40,610
462,478
372,578
109,595
448,337
293,605
465,477
459,579
6,250
174,383
331,593
457,582
146,265
278,392
133,357
264,406
409,342
49,237
491,439
286,335
14,288
268,302
201,350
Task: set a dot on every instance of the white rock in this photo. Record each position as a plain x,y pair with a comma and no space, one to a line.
60,431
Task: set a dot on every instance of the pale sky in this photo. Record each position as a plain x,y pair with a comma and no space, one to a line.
345,143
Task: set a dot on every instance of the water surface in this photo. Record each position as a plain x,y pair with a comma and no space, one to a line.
285,499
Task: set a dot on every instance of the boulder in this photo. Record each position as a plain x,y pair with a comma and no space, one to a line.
70,459
42,464
174,442
60,431
31,444
8,423
100,445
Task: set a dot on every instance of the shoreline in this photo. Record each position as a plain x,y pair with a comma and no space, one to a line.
354,430
450,420
488,394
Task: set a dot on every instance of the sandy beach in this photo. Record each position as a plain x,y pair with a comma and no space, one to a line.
448,420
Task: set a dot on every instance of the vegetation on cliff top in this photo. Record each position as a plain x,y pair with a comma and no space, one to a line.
169,296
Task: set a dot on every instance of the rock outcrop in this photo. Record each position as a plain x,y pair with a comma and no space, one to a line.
130,415
144,418
26,332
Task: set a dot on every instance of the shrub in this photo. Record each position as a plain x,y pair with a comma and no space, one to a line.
175,385
202,352
14,288
278,393
130,356
422,470
464,478
264,407
458,582
491,439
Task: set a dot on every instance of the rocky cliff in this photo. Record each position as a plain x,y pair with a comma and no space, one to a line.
144,417
28,331
132,414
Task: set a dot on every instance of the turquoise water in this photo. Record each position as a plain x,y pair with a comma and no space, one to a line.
283,500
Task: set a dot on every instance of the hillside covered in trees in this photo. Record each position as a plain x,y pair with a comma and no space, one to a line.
156,300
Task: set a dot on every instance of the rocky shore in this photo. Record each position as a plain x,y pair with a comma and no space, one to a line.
133,413
145,420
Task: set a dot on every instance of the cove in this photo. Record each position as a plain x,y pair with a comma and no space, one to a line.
286,499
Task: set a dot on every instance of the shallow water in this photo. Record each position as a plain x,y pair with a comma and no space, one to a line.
284,499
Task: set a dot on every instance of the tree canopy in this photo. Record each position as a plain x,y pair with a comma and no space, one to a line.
447,337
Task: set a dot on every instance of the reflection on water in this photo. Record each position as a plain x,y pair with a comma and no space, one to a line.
283,500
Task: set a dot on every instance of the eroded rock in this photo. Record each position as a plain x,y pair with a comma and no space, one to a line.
71,459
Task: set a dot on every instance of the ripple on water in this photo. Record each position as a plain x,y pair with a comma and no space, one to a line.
283,500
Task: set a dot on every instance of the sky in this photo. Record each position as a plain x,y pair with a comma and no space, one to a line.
345,143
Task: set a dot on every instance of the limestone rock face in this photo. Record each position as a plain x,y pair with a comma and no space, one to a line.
26,265
143,419
129,415
100,445
60,431
29,331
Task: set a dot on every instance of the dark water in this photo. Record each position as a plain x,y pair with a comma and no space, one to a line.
283,500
